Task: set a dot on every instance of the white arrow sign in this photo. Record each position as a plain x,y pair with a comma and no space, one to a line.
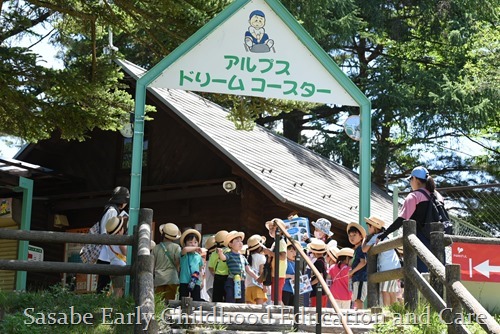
485,268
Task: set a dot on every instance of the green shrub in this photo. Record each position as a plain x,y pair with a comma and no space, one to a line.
422,321
29,312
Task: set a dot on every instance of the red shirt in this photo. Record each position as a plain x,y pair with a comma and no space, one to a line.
340,282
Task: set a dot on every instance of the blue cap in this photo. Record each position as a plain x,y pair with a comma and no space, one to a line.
258,13
419,172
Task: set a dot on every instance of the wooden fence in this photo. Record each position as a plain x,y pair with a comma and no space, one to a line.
141,270
442,277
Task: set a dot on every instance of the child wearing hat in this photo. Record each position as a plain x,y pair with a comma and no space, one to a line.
255,291
331,255
272,226
317,248
167,256
238,267
358,275
219,268
207,289
387,260
322,231
117,253
190,275
339,274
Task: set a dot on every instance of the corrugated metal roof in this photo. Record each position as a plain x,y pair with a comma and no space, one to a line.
291,172
45,178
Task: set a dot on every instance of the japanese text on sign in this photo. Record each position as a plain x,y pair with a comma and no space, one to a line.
280,68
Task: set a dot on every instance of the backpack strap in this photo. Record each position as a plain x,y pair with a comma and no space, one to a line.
420,190
118,255
168,255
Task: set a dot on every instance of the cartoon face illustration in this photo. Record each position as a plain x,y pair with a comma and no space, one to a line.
256,38
257,21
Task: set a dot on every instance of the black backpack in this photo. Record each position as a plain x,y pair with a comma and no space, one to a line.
435,213
266,277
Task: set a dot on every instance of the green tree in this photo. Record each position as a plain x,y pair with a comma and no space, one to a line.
430,70
86,93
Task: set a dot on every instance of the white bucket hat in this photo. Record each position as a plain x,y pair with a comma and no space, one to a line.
323,225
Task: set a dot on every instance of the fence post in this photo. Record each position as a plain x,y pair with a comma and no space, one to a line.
134,283
144,275
296,294
437,248
373,291
319,305
410,261
276,280
453,303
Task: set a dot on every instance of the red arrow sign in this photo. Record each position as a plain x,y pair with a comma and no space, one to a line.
479,262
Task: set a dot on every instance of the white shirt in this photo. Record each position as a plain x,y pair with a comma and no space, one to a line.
257,261
110,213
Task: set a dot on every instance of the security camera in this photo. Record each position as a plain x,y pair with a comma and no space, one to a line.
229,186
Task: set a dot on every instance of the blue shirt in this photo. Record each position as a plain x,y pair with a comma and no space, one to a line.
387,260
290,270
360,275
190,263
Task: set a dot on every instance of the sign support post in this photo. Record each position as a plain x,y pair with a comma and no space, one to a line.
26,187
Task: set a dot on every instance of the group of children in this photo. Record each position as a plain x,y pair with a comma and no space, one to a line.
226,270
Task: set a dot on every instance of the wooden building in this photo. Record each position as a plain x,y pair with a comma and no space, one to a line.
190,149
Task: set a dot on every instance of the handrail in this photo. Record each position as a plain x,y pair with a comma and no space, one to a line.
298,248
441,276
473,240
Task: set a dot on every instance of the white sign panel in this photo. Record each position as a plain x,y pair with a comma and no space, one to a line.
35,253
254,53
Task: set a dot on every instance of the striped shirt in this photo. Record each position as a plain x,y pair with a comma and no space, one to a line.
236,264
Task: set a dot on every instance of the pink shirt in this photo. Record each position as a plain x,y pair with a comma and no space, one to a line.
411,201
340,282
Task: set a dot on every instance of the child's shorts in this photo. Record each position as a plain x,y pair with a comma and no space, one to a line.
254,292
390,286
359,290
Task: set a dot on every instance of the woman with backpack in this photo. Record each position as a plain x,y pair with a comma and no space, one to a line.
416,207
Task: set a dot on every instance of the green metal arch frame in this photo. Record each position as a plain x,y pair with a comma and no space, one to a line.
143,83
26,187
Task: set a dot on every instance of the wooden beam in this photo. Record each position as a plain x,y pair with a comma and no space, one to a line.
63,237
65,267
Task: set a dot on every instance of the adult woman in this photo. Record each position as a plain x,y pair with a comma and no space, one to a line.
415,207
115,207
